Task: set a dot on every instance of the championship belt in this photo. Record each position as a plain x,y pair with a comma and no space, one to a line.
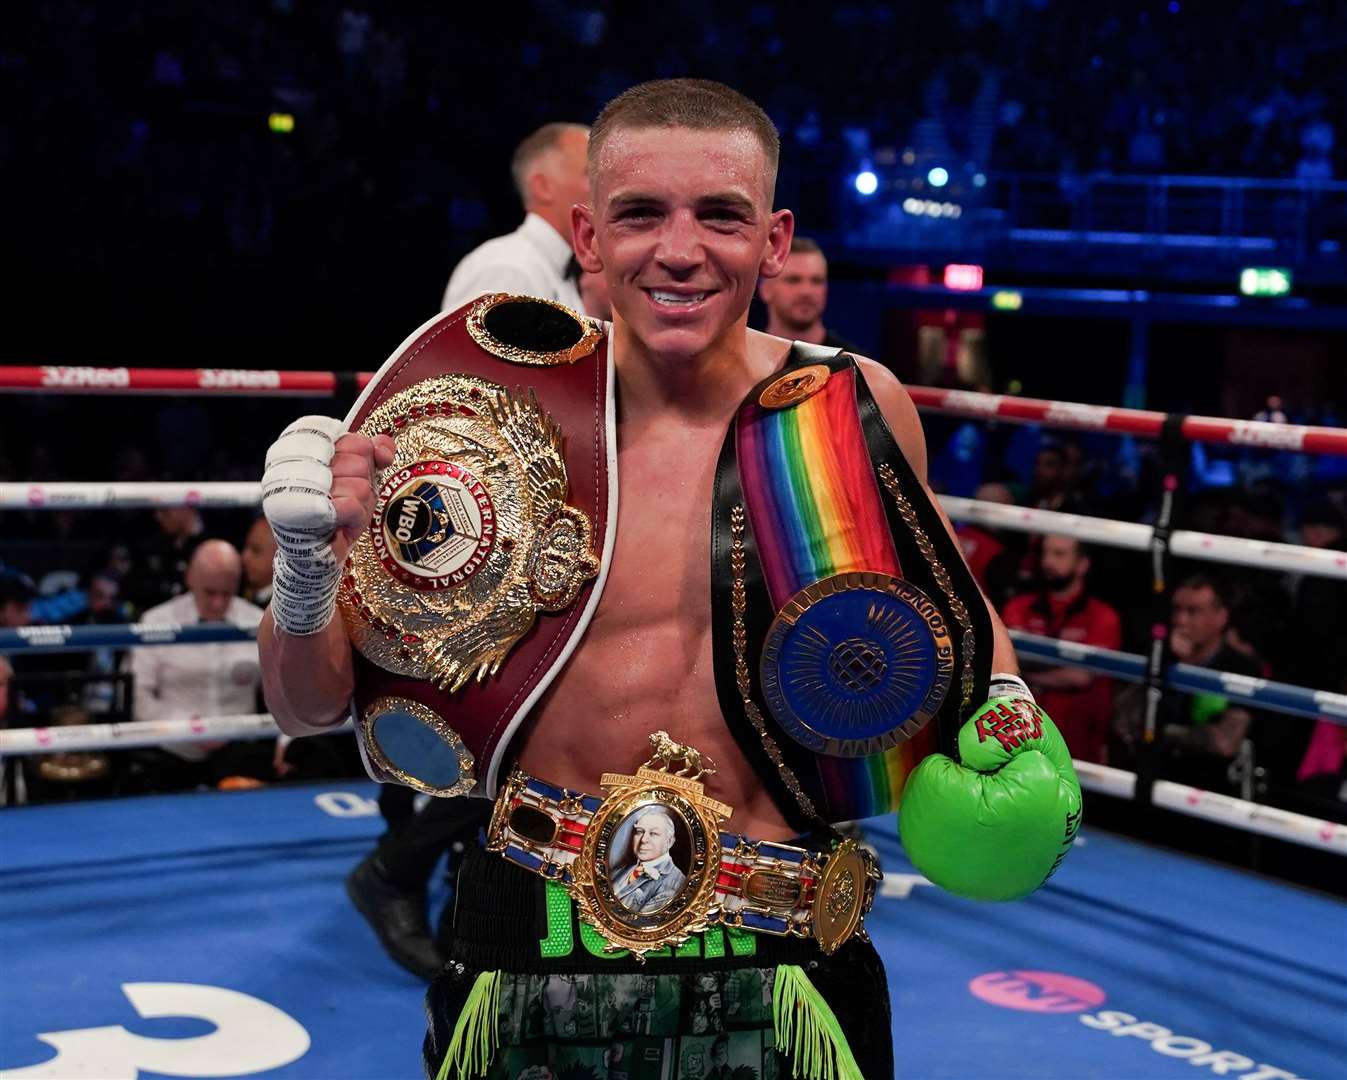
849,637
477,574
649,864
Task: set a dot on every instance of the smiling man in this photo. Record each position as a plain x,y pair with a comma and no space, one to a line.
805,469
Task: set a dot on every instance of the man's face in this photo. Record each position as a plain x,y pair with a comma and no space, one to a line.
1060,561
259,548
799,296
103,594
1199,616
682,228
176,521
1049,471
1320,535
652,837
212,587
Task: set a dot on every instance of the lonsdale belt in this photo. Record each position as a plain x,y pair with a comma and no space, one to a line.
649,863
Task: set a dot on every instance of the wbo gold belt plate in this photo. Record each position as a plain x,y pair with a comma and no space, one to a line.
471,535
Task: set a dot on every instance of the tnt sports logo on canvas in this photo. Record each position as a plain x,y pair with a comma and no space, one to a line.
1036,991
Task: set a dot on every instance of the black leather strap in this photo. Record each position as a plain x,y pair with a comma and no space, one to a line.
728,494
884,449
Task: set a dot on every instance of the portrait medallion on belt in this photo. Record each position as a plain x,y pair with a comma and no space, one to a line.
471,535
856,663
646,877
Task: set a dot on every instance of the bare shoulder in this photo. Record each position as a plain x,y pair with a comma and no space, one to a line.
767,351
899,412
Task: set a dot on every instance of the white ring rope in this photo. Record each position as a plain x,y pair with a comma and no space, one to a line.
1188,678
1251,816
1207,547
1255,817
50,740
78,495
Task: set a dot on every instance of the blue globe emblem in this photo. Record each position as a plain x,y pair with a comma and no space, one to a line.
856,663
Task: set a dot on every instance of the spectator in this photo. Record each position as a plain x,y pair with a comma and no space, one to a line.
1201,734
178,682
259,549
1054,480
161,564
17,593
1320,603
991,556
105,607
550,175
1080,702
798,298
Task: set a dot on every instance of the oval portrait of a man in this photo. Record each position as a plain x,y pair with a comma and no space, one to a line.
651,852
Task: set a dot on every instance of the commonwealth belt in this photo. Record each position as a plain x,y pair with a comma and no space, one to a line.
649,863
845,622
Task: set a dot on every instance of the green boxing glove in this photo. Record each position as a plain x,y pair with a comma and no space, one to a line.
996,826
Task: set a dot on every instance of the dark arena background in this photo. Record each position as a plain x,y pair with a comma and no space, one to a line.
1101,244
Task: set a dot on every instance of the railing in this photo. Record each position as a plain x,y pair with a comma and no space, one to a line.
1292,223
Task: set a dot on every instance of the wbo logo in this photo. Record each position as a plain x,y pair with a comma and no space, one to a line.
1037,991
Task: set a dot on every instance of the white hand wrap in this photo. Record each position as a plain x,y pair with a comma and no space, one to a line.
1004,684
297,500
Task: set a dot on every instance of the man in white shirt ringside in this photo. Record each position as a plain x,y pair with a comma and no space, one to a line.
550,175
178,682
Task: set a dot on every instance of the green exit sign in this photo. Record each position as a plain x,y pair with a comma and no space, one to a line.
1265,281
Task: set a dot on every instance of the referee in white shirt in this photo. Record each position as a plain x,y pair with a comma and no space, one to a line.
536,259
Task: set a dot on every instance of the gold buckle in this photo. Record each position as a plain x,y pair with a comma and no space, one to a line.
646,877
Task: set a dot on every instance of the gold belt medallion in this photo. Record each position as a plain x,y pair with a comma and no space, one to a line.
646,877
471,535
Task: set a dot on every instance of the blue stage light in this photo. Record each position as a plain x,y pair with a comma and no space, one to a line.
867,183
937,177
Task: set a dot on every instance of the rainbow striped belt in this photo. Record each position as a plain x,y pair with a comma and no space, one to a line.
840,602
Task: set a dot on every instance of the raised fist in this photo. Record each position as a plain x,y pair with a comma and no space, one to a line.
318,495
319,485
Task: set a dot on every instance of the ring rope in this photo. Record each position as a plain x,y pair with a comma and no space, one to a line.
51,740
1208,547
62,638
1225,809
1114,420
1254,817
1183,543
1072,415
141,495
1187,678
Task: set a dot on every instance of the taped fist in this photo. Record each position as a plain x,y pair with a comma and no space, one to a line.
318,495
997,823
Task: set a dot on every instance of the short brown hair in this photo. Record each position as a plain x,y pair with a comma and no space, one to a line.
699,104
803,245
532,148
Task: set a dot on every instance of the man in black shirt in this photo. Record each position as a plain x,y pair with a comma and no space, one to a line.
797,299
1201,734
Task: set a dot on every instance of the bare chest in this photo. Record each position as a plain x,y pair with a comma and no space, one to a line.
645,661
